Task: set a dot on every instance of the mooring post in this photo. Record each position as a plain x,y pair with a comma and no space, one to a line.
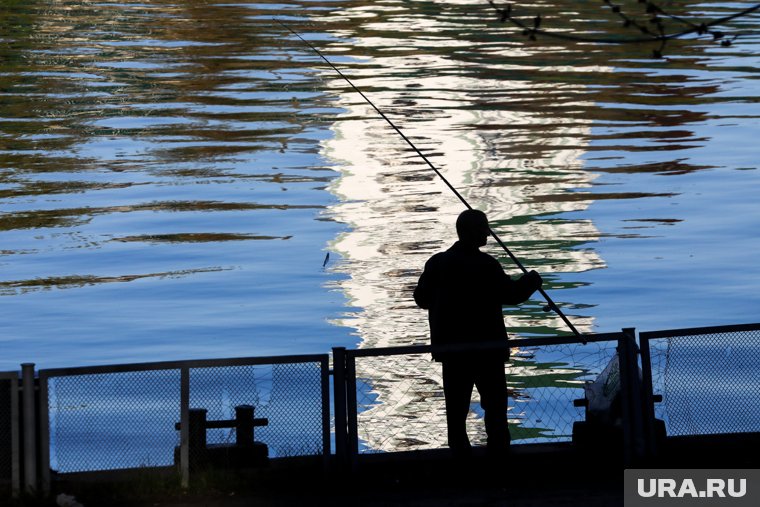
244,425
197,432
339,389
29,419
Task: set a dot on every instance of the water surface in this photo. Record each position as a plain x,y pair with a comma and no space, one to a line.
173,174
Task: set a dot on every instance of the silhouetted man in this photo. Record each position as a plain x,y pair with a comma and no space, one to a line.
464,291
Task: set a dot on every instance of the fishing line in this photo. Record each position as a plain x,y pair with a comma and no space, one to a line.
550,303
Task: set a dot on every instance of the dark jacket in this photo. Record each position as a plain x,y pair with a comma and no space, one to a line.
464,290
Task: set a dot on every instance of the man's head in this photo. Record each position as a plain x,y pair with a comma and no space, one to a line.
472,227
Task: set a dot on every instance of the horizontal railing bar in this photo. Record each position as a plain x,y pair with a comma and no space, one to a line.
227,423
695,331
564,340
509,344
390,351
175,365
9,375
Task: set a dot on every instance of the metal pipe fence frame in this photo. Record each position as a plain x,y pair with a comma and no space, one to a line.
184,368
15,448
348,372
31,460
646,354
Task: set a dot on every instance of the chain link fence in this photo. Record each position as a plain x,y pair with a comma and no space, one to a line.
545,381
126,416
288,395
107,421
400,405
708,379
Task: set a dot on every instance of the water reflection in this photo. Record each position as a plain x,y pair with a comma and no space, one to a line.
531,133
400,214
162,146
164,167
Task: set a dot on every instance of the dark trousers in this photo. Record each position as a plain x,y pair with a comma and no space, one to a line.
459,377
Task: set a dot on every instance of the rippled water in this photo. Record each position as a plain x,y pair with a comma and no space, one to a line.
174,173
626,180
162,184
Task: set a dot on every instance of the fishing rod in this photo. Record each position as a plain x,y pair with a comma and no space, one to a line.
550,303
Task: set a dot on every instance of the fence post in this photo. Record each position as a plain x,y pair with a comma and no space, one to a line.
351,410
28,414
184,428
324,367
339,388
43,414
15,447
650,434
630,386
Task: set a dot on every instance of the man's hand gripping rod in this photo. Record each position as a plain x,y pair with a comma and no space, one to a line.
550,304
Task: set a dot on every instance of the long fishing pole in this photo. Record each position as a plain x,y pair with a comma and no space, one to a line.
550,303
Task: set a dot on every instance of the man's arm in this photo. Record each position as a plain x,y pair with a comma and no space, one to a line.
518,291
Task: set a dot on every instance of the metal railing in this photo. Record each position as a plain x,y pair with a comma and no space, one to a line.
388,400
393,398
707,377
124,416
10,463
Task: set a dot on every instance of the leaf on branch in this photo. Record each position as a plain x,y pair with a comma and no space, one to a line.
702,29
656,54
717,35
537,21
725,43
615,8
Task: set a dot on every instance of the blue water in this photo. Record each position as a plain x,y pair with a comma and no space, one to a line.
171,186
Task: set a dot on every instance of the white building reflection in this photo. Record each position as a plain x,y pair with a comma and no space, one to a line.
400,213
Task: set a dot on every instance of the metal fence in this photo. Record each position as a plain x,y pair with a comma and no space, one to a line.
9,433
126,416
709,378
394,396
385,400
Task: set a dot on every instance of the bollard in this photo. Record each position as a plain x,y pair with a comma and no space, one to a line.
244,425
197,431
